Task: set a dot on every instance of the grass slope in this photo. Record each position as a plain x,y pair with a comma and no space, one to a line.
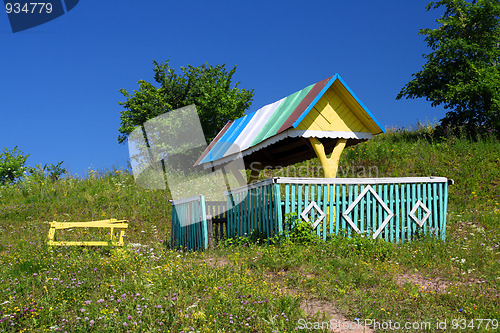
145,287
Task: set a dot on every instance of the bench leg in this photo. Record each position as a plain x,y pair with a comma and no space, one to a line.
120,241
52,232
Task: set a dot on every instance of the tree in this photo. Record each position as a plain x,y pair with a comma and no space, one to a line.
208,87
12,165
462,73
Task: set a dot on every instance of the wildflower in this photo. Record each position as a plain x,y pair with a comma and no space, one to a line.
199,315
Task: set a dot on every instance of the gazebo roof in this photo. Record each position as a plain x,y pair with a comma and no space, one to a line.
276,134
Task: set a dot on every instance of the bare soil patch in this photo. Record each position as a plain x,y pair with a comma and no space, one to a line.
217,261
334,320
437,284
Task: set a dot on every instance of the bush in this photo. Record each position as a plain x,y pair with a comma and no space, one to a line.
296,231
50,171
12,165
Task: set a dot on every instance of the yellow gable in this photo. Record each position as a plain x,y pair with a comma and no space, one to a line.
333,113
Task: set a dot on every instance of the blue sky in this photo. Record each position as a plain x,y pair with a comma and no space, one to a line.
59,81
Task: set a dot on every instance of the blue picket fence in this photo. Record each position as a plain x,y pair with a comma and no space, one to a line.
395,209
255,207
189,223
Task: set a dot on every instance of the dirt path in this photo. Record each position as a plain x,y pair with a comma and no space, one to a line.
333,321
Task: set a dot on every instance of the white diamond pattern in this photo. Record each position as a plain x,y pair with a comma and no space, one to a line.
390,214
414,210
305,212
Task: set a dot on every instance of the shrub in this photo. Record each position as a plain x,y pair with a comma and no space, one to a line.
296,231
50,171
12,165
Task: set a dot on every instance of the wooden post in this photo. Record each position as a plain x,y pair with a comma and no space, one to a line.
210,232
330,165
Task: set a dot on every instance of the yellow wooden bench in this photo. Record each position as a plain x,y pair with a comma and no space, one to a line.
111,223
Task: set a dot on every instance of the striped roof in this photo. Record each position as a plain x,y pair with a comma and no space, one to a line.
273,123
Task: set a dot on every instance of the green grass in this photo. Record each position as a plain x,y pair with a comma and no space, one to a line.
146,287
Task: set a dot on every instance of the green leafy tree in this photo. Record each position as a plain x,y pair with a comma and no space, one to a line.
206,86
462,73
12,165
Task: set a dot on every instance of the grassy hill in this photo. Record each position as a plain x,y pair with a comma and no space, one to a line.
147,287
